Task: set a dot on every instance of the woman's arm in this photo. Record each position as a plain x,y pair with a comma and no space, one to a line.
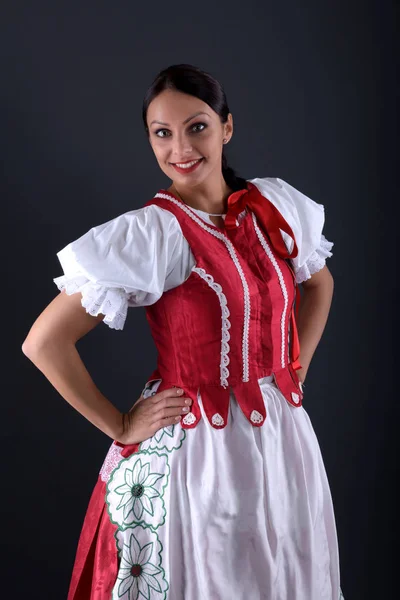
50,345
313,314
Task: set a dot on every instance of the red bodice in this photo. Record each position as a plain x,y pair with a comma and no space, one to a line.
232,321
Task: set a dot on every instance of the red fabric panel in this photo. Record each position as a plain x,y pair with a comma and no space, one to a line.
96,566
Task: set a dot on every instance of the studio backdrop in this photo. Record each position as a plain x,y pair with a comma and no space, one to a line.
309,88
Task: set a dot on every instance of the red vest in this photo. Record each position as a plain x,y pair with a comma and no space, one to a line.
232,321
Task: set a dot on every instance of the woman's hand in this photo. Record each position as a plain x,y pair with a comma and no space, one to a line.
148,415
301,374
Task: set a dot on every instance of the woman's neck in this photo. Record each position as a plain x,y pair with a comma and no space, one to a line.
211,198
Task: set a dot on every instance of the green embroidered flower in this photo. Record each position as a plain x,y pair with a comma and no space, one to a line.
168,438
140,572
135,490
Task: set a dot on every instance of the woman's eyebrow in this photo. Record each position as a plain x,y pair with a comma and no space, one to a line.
185,121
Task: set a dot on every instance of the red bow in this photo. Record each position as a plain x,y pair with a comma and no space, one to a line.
271,221
267,215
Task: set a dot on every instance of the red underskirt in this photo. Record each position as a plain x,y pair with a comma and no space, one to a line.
96,563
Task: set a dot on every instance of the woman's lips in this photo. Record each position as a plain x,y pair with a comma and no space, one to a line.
188,169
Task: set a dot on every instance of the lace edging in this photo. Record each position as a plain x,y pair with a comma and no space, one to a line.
316,261
225,348
232,252
272,258
96,299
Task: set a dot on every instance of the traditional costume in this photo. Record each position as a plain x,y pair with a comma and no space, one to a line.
234,500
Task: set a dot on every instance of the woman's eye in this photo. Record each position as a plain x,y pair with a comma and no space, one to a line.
159,131
202,125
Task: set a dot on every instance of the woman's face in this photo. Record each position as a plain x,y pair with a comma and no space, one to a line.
182,129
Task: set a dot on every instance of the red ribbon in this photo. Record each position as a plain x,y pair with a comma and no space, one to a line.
295,341
271,221
267,215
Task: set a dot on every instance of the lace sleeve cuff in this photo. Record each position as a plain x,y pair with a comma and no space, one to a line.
316,261
111,302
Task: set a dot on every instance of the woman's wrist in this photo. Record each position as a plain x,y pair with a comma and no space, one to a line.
118,428
126,430
120,436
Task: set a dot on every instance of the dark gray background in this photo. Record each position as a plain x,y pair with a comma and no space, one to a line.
311,89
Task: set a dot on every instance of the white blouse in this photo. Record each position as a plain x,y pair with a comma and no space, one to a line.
134,258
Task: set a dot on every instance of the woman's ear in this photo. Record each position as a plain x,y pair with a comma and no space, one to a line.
228,127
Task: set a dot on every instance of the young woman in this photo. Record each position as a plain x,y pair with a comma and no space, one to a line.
214,486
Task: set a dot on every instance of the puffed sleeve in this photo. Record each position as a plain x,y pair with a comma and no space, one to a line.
126,262
306,218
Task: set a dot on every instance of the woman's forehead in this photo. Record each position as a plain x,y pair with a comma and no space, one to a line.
175,107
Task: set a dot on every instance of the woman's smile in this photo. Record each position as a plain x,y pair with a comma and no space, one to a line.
189,167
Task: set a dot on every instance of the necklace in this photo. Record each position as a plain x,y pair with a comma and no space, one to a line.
210,214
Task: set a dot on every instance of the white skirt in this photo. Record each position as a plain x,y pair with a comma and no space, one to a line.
240,513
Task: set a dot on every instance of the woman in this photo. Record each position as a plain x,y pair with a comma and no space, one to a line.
214,486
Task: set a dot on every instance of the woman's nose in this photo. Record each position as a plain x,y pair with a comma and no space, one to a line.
181,147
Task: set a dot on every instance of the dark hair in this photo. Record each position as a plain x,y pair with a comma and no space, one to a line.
195,82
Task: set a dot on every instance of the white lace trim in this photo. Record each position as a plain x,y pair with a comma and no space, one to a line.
111,302
256,417
226,325
316,260
189,419
232,252
112,460
217,420
268,252
295,398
